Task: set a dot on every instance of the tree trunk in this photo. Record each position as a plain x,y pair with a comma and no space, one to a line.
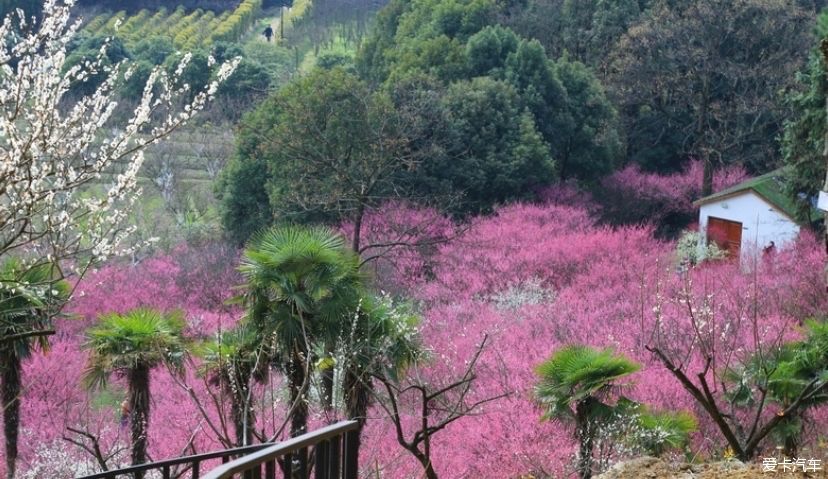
707,179
425,461
357,400
238,388
328,381
299,416
790,448
360,213
244,418
429,470
701,127
11,373
824,48
138,380
585,438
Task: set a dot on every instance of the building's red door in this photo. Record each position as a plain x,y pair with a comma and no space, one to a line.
726,234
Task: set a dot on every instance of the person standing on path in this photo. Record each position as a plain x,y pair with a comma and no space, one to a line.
268,33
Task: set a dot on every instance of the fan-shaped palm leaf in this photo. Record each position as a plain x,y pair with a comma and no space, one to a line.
301,284
142,337
131,345
29,298
574,373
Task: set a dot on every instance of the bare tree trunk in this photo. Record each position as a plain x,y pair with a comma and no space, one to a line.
244,418
425,461
11,410
707,180
360,213
701,127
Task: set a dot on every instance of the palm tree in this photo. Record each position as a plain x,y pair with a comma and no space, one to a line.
130,345
29,298
785,375
232,361
302,283
383,340
582,377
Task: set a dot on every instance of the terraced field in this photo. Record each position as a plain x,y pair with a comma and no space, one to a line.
186,30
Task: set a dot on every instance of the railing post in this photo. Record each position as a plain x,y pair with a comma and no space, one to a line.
288,466
351,468
303,463
334,457
270,469
196,470
320,468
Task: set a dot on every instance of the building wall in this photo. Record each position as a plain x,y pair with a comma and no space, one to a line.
761,221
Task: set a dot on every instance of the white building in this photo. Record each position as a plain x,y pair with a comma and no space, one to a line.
749,216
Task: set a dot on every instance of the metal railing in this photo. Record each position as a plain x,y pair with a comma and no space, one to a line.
333,455
168,467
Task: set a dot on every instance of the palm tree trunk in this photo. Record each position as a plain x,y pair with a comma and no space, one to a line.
790,448
585,438
138,380
357,402
299,416
11,373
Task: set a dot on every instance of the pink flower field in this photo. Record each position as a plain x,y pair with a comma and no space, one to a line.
532,277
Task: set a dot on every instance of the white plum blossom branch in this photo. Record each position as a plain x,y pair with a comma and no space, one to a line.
56,148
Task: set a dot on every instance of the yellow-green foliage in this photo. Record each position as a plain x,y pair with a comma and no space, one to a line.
133,23
147,27
187,31
298,10
97,23
177,15
180,32
206,34
192,36
109,26
234,26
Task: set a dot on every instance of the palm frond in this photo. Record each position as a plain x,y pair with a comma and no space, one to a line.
139,338
575,373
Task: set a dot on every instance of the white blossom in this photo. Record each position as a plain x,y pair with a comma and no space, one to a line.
54,149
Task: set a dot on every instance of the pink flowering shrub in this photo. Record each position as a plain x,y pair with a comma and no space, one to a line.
531,277
398,242
579,283
630,196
